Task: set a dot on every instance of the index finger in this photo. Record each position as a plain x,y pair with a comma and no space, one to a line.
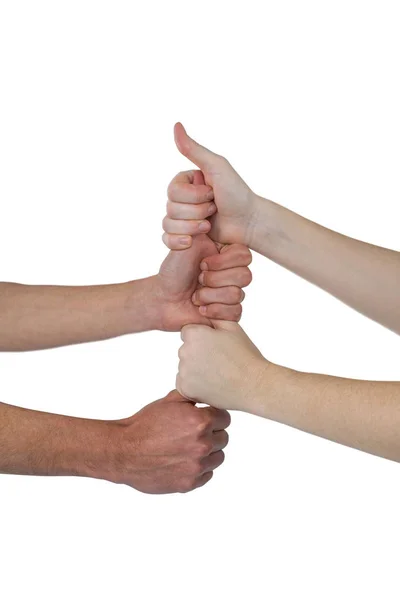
188,187
234,255
220,419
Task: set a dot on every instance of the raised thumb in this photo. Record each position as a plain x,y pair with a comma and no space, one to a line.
199,155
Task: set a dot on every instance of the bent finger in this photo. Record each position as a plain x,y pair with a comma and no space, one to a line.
230,294
178,210
177,242
185,227
239,276
213,461
235,255
221,312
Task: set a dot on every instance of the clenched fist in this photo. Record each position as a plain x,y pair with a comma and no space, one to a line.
220,366
169,446
214,200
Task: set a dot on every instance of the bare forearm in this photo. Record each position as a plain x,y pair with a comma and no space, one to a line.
38,443
360,414
364,276
36,317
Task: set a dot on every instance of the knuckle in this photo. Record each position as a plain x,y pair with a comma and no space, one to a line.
170,209
196,468
178,384
198,196
186,485
204,447
228,419
222,160
221,457
165,223
171,190
237,312
237,294
247,255
202,427
184,388
247,277
187,332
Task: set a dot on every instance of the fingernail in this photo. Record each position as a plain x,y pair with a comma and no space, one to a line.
211,209
201,278
204,226
194,298
203,310
184,241
204,266
210,195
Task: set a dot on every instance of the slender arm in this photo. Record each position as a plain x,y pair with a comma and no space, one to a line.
361,414
364,276
35,317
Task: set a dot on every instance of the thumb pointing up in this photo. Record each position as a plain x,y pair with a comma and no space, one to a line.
199,155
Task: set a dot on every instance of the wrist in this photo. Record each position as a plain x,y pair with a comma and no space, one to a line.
81,448
111,457
277,389
265,228
142,305
267,389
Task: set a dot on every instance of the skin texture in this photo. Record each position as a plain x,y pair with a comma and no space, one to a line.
222,367
364,276
169,446
37,317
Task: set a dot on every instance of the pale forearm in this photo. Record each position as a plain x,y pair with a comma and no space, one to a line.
364,276
38,443
360,414
36,317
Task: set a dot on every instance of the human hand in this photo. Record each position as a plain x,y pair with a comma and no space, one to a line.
169,446
202,283
220,366
191,196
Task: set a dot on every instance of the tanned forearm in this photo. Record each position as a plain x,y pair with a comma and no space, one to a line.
39,443
361,414
36,317
364,276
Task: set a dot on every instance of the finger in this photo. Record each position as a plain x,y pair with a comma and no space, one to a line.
223,312
219,419
187,330
186,176
230,294
239,276
189,193
199,155
185,227
226,325
235,255
213,461
175,396
203,479
177,242
178,210
220,440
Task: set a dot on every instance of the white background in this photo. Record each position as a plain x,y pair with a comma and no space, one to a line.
303,98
